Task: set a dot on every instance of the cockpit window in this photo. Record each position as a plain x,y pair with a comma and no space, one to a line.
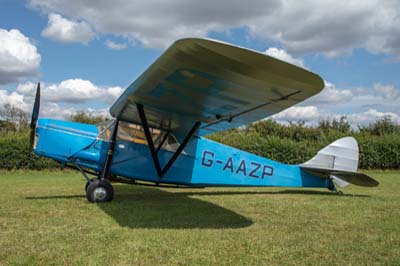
171,144
135,133
105,128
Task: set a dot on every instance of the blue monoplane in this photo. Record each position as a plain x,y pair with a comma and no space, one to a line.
196,87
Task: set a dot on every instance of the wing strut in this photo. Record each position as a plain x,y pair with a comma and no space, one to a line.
110,152
230,117
154,151
162,141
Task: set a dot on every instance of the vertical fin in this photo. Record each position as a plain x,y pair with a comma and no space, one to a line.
340,155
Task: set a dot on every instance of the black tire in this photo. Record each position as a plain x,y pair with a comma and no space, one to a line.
99,190
87,183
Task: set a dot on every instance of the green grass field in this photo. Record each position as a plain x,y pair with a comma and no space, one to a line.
46,220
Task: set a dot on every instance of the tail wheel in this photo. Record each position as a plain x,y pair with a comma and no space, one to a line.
99,190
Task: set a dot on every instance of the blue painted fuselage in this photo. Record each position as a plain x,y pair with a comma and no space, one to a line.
202,163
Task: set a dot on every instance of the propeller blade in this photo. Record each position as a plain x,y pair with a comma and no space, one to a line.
36,106
31,137
35,115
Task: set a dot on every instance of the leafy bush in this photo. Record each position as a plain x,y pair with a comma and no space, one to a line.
379,143
87,117
381,152
15,153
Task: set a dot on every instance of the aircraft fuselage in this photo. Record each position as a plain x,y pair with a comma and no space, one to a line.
202,163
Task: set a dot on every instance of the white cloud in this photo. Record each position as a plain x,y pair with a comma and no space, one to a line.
284,56
370,116
14,99
18,56
332,27
63,99
158,23
64,30
299,113
331,95
56,111
115,46
388,92
312,115
72,91
361,106
114,92
383,97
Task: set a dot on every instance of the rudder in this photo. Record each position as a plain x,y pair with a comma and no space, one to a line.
339,162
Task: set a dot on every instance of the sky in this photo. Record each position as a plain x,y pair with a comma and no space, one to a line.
85,53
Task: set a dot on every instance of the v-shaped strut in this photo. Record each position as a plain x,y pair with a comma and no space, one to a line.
154,152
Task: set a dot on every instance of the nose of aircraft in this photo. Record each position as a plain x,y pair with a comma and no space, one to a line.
60,140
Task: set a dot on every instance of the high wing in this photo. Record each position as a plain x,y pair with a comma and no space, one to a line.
220,85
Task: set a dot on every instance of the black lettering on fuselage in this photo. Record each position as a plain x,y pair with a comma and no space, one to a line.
253,172
208,162
228,165
267,170
242,167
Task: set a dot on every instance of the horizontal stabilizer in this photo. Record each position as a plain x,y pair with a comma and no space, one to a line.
339,161
354,178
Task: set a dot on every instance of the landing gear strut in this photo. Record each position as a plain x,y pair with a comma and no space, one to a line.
333,188
97,189
100,189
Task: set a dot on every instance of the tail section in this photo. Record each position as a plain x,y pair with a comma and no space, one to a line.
339,162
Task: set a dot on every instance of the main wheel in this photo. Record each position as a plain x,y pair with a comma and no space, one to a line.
88,183
99,190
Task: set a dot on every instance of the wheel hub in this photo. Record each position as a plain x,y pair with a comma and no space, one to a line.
100,193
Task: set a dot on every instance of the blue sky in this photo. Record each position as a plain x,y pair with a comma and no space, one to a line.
85,55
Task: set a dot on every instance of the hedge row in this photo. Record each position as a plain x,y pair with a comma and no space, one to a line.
375,152
296,144
293,144
15,153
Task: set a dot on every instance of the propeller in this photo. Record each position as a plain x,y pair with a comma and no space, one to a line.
35,115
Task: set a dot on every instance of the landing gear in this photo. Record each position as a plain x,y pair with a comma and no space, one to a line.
333,188
88,183
99,190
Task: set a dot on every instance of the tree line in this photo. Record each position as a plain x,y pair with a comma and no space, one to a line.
14,119
293,143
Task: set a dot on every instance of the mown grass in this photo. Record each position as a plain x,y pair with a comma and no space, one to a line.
46,220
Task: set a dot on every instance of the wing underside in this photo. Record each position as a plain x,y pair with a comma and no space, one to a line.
220,85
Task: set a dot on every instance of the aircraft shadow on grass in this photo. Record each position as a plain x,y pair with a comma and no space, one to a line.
145,207
286,191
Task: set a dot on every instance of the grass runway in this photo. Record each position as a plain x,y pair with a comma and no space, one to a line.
46,220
